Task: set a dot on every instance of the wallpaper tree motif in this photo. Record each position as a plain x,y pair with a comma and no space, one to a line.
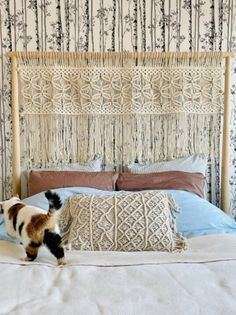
110,25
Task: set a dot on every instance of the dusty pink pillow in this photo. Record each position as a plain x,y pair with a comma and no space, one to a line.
192,182
44,180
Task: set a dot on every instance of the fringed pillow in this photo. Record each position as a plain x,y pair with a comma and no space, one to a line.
142,221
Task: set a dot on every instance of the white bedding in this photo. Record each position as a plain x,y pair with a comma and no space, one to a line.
201,280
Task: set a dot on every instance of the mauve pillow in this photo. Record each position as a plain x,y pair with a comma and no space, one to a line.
44,180
192,182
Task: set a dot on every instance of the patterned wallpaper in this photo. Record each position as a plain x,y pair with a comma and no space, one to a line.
111,25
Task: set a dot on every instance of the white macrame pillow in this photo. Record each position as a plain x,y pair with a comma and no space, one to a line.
142,221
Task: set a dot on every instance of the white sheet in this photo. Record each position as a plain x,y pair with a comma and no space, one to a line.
201,280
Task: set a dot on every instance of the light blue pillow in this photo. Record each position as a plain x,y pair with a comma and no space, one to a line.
197,217
3,233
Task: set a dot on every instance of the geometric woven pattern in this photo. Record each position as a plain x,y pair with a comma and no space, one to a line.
139,221
117,90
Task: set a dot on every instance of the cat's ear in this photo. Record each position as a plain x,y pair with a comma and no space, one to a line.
16,195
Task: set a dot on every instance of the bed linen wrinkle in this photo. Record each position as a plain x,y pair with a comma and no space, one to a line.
140,291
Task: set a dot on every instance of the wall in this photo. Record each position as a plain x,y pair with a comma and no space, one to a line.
113,25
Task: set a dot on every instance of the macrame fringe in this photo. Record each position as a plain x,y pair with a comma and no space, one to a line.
55,141
180,241
52,140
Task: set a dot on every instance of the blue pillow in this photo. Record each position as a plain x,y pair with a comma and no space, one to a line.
197,217
3,233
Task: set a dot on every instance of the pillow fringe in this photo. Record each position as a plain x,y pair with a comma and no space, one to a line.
179,240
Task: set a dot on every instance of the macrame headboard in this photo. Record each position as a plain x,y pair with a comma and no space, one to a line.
69,107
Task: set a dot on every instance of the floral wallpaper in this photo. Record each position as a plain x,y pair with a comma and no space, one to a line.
111,25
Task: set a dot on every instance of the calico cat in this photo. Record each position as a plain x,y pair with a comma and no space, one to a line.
35,227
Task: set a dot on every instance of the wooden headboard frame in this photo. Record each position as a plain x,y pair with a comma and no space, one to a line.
225,200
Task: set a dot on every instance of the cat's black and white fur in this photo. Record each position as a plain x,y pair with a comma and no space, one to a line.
35,227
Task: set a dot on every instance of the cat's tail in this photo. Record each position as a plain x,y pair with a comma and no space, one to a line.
54,202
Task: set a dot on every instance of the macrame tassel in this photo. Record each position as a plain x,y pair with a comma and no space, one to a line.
180,242
55,141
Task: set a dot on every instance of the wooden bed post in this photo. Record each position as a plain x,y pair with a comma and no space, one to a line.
15,129
225,200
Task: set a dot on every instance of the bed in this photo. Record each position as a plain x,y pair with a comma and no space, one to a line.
198,280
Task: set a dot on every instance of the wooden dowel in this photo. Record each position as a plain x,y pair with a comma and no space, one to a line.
225,199
15,130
